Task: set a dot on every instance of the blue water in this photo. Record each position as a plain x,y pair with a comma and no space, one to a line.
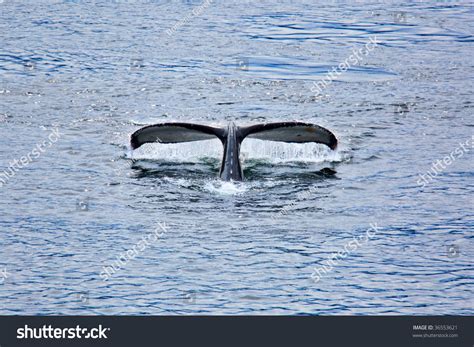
99,70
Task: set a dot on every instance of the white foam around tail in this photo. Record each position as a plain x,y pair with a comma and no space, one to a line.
273,152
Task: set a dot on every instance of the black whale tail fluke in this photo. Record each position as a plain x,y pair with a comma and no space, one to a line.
296,132
232,136
293,132
174,133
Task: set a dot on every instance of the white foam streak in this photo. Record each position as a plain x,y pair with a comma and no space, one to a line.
180,152
226,188
273,152
281,152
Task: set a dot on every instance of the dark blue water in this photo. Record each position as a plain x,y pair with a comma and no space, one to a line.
99,70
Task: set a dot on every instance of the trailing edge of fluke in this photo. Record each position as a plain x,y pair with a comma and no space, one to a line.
231,138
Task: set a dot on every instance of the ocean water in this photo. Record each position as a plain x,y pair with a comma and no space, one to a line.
95,71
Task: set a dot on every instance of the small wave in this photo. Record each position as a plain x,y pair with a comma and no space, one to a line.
212,186
219,187
292,68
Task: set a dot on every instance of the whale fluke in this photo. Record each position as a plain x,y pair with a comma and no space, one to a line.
174,133
231,138
296,132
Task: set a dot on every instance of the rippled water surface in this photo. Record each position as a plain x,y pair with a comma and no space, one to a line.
99,70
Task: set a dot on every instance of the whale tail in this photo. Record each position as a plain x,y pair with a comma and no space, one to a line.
295,132
231,138
174,133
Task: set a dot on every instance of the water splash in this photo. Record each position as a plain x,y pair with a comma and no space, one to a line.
281,152
180,152
252,149
227,188
213,186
